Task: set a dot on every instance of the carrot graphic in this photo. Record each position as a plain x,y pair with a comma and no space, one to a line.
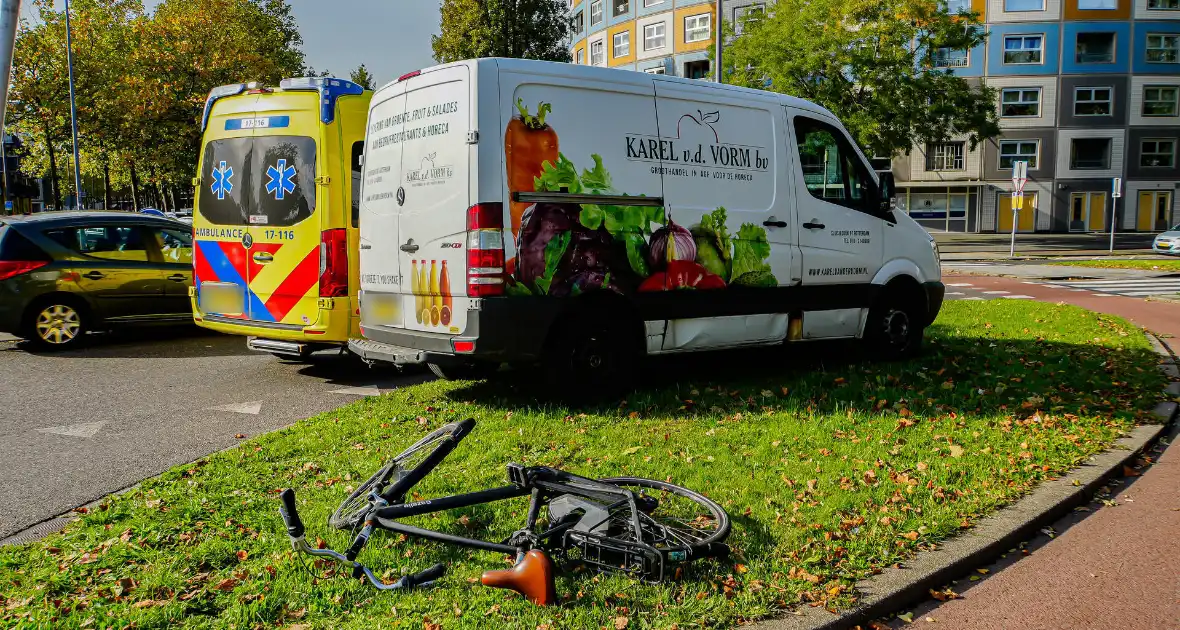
528,143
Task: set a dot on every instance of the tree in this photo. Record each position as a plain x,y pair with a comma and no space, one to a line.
871,62
525,29
361,77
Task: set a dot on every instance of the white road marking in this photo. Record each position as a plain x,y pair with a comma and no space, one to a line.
83,430
1134,287
973,298
248,408
1018,297
960,284
955,293
995,292
370,390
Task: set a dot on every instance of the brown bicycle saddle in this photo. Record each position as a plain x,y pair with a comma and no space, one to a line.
532,577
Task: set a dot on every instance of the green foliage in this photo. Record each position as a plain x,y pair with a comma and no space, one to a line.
140,80
871,63
362,77
524,29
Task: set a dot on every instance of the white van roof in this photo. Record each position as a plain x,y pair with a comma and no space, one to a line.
624,77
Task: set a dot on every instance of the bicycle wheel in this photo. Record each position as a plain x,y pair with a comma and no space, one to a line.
399,474
681,523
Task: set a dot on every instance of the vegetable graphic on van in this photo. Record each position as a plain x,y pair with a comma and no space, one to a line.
529,143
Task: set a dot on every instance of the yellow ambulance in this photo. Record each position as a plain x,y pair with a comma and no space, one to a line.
275,220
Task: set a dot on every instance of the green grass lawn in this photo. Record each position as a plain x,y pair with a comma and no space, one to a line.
831,469
1149,265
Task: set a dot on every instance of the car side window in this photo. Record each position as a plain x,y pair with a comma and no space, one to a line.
115,243
831,168
176,246
358,149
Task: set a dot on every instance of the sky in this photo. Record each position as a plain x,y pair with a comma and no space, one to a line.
391,37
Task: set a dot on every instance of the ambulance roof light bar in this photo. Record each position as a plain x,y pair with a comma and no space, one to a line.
219,92
330,89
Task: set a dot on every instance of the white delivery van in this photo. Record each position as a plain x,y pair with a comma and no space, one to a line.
523,211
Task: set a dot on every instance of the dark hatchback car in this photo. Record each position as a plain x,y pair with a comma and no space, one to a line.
63,274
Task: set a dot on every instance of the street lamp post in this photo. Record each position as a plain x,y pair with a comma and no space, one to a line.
73,110
9,17
720,42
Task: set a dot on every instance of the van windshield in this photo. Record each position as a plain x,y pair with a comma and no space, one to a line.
264,180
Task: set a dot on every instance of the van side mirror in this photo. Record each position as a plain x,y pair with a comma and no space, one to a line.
888,189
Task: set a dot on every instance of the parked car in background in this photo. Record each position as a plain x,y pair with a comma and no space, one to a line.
1168,242
63,274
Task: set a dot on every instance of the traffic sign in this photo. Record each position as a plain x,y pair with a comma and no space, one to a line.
1116,188
1019,174
8,205
1017,200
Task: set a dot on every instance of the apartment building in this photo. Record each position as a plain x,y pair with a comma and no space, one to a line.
1088,90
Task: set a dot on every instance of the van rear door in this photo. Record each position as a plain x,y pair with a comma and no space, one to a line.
379,261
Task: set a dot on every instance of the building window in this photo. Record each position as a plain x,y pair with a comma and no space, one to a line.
697,69
596,13
947,156
1021,49
581,58
652,3
1024,5
747,14
1089,153
1020,102
697,28
1163,5
1160,100
958,6
1091,101
1163,48
950,58
621,7
1097,5
579,22
655,70
654,36
596,56
1018,151
1095,48
1157,153
621,44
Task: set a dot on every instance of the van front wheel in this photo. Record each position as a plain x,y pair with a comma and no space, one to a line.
894,329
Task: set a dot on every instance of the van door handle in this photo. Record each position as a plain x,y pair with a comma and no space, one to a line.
814,226
177,277
94,275
409,247
263,258
779,224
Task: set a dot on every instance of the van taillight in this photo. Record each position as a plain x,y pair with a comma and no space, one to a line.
334,263
13,268
485,250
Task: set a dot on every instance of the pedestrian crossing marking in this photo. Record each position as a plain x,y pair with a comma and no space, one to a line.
1129,287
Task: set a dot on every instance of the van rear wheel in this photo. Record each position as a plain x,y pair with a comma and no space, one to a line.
589,357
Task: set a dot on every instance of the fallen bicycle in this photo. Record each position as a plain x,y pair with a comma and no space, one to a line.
640,527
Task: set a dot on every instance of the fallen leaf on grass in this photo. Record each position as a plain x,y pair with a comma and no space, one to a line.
910,535
149,603
621,622
956,450
227,584
631,451
241,555
427,624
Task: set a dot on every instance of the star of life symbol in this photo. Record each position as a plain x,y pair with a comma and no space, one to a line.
282,179
222,180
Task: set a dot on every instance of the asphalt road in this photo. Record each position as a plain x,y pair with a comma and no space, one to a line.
76,426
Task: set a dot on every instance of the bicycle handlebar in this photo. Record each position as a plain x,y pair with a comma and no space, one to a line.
290,514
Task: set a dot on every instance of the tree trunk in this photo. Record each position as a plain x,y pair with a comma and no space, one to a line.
172,194
134,189
106,185
163,190
55,191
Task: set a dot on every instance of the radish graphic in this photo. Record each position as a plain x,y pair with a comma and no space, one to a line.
704,120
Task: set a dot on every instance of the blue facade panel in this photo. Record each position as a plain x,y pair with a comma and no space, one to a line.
640,10
1142,30
1050,33
1075,60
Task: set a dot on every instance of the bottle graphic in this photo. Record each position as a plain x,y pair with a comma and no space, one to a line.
444,281
420,303
435,300
416,289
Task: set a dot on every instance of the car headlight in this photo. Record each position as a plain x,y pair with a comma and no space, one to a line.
934,248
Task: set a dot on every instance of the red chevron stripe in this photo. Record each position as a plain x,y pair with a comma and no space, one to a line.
301,279
201,268
237,256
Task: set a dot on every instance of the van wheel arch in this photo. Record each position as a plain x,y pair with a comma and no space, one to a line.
599,322
895,324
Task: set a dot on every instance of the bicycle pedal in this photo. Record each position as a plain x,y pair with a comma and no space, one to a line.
517,475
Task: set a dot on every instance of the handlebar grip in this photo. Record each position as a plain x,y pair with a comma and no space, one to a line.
290,514
429,575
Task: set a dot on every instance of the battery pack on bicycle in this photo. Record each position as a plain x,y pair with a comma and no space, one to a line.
640,527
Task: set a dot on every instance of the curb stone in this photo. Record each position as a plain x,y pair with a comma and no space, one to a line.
896,589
